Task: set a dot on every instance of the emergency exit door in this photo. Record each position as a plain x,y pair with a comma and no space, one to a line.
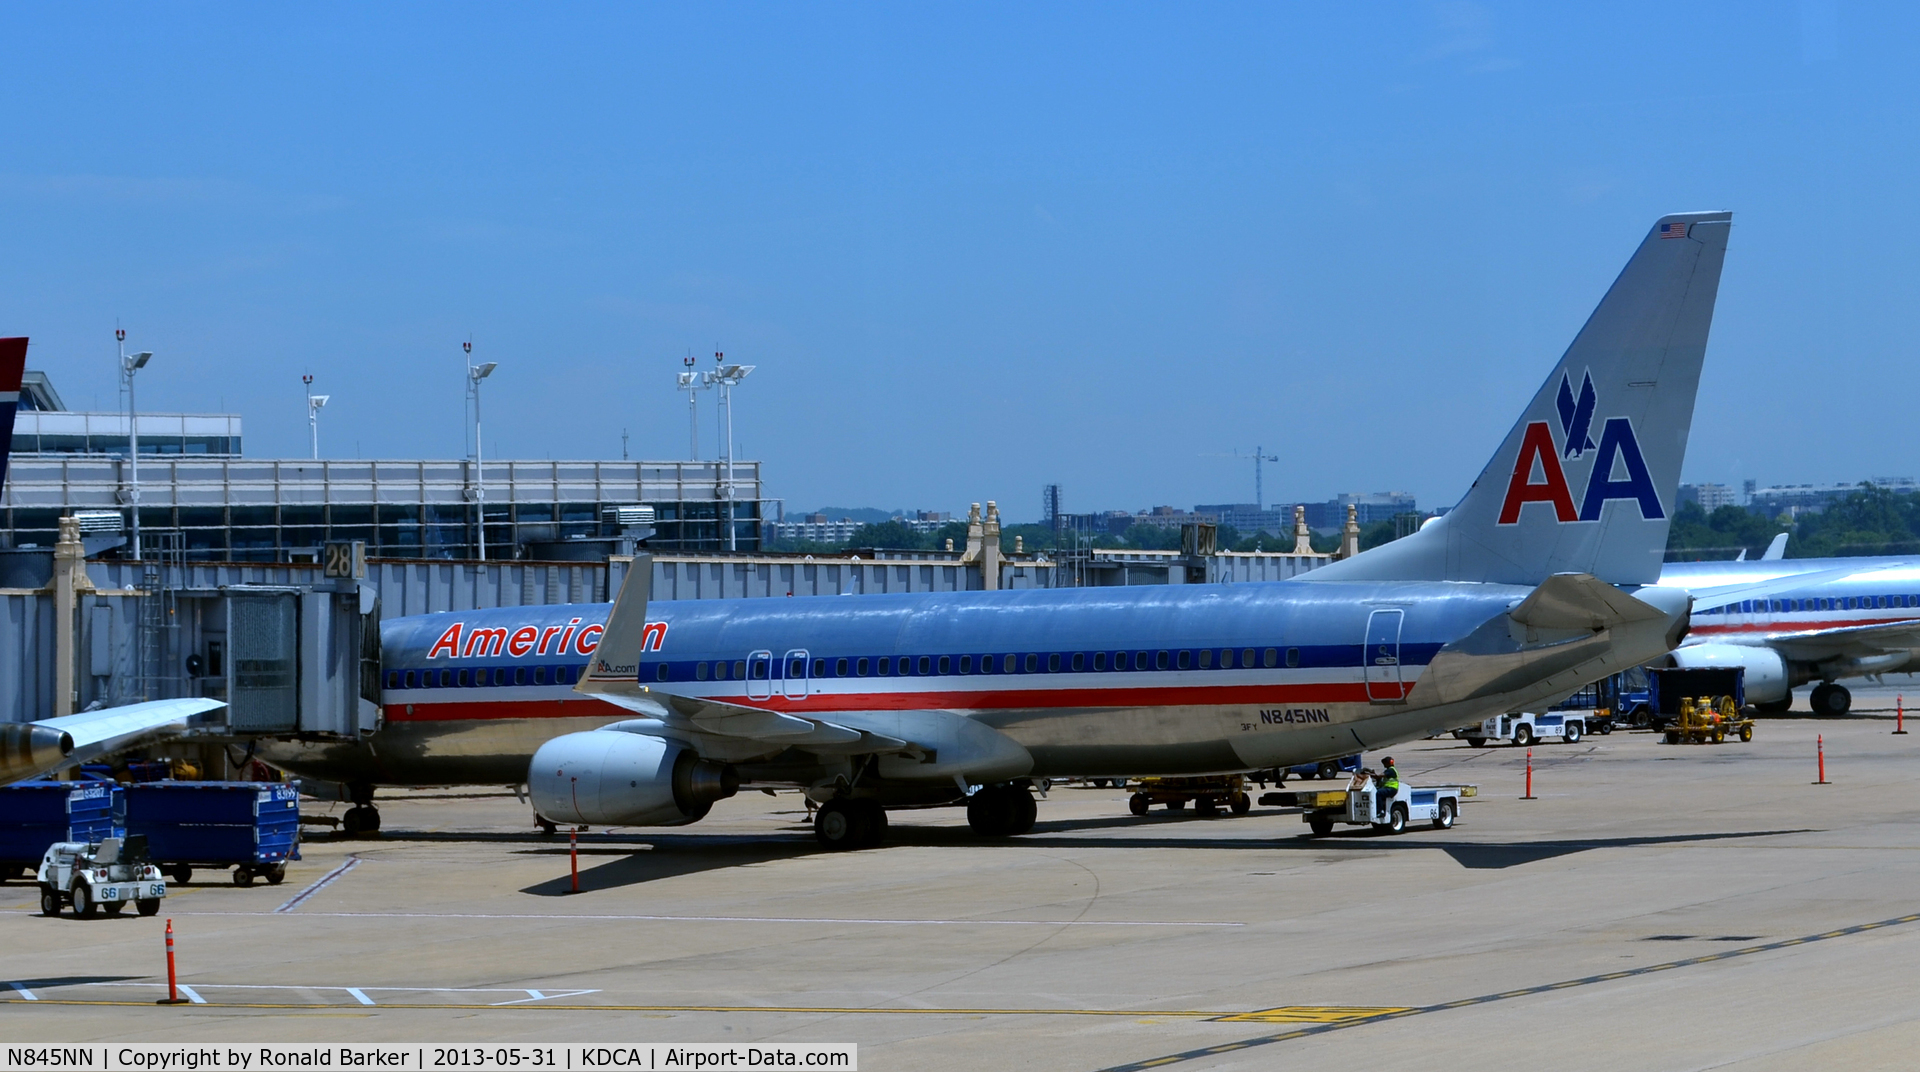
1381,657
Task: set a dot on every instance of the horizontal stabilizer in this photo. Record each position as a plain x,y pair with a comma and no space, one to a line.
1580,601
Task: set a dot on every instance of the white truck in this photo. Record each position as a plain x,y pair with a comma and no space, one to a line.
1524,728
1355,805
104,874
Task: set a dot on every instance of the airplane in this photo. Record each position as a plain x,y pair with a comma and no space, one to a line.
640,714
36,749
1822,619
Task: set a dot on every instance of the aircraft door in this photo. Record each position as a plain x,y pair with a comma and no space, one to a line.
793,680
1381,657
760,675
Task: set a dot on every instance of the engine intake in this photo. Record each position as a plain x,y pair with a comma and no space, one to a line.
615,778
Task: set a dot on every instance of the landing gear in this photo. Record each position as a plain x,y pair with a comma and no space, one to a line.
850,824
546,825
1830,699
1776,707
363,819
1001,811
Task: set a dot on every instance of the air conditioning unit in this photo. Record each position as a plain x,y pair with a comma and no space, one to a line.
627,516
99,522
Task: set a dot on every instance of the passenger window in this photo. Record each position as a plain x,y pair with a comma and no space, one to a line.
1206,658
739,668
1119,660
500,675
462,678
409,679
860,668
1183,658
1293,657
1079,661
563,675
886,667
946,665
1053,663
839,668
926,665
1033,662
661,673
520,675
1006,665
446,679
986,664
1270,657
1160,660
1140,660
699,671
1099,660
720,671
819,666
1226,658
393,679
1246,658
539,675
966,664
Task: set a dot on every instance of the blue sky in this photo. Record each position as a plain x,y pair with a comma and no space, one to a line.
971,249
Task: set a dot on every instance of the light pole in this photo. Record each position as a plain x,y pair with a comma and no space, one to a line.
476,373
314,402
726,376
130,364
691,381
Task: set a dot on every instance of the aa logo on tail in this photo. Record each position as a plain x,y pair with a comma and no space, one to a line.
1619,451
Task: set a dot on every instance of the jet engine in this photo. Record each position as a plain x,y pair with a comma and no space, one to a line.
27,750
615,778
1767,677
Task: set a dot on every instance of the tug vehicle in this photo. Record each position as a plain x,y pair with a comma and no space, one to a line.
91,875
1356,805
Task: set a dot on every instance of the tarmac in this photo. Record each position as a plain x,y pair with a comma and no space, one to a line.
1656,907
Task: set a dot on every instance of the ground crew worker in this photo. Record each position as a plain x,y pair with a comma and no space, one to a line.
1388,788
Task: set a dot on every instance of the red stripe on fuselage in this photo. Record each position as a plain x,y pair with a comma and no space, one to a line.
1785,626
1223,695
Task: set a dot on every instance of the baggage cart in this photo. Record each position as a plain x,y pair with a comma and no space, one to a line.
34,815
252,827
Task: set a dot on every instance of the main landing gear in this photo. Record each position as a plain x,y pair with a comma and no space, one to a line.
363,819
1830,699
1001,811
850,824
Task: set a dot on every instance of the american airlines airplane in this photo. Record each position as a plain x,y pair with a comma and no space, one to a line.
1824,619
639,714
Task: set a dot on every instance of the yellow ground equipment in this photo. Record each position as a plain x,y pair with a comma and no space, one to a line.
1708,719
1206,793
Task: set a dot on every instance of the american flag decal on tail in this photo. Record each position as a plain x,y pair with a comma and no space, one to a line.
1673,230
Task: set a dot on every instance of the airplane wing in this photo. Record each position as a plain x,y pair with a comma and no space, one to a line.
31,749
1726,595
722,730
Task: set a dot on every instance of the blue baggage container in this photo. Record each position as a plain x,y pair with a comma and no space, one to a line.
253,827
34,815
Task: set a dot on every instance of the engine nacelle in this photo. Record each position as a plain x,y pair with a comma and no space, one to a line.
1767,677
27,750
614,778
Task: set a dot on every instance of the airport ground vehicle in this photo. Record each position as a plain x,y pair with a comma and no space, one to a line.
1672,686
1206,793
91,875
253,827
1524,728
36,814
1708,720
1321,809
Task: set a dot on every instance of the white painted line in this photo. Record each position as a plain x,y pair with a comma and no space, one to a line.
359,995
564,917
325,881
24,992
191,996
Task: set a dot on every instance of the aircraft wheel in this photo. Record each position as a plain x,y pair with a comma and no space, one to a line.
548,827
1831,700
1443,817
1138,804
1241,804
147,906
49,901
842,824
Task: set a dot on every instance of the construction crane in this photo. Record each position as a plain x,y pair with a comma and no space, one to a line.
1260,456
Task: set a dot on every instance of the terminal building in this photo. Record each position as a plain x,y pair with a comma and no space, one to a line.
199,493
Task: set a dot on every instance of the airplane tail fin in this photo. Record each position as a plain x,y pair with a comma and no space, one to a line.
1587,479
624,643
13,368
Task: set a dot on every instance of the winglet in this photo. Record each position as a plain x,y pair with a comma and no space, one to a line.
616,662
13,368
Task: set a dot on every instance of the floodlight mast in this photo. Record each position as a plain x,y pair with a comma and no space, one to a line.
691,381
476,373
726,376
314,402
130,364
